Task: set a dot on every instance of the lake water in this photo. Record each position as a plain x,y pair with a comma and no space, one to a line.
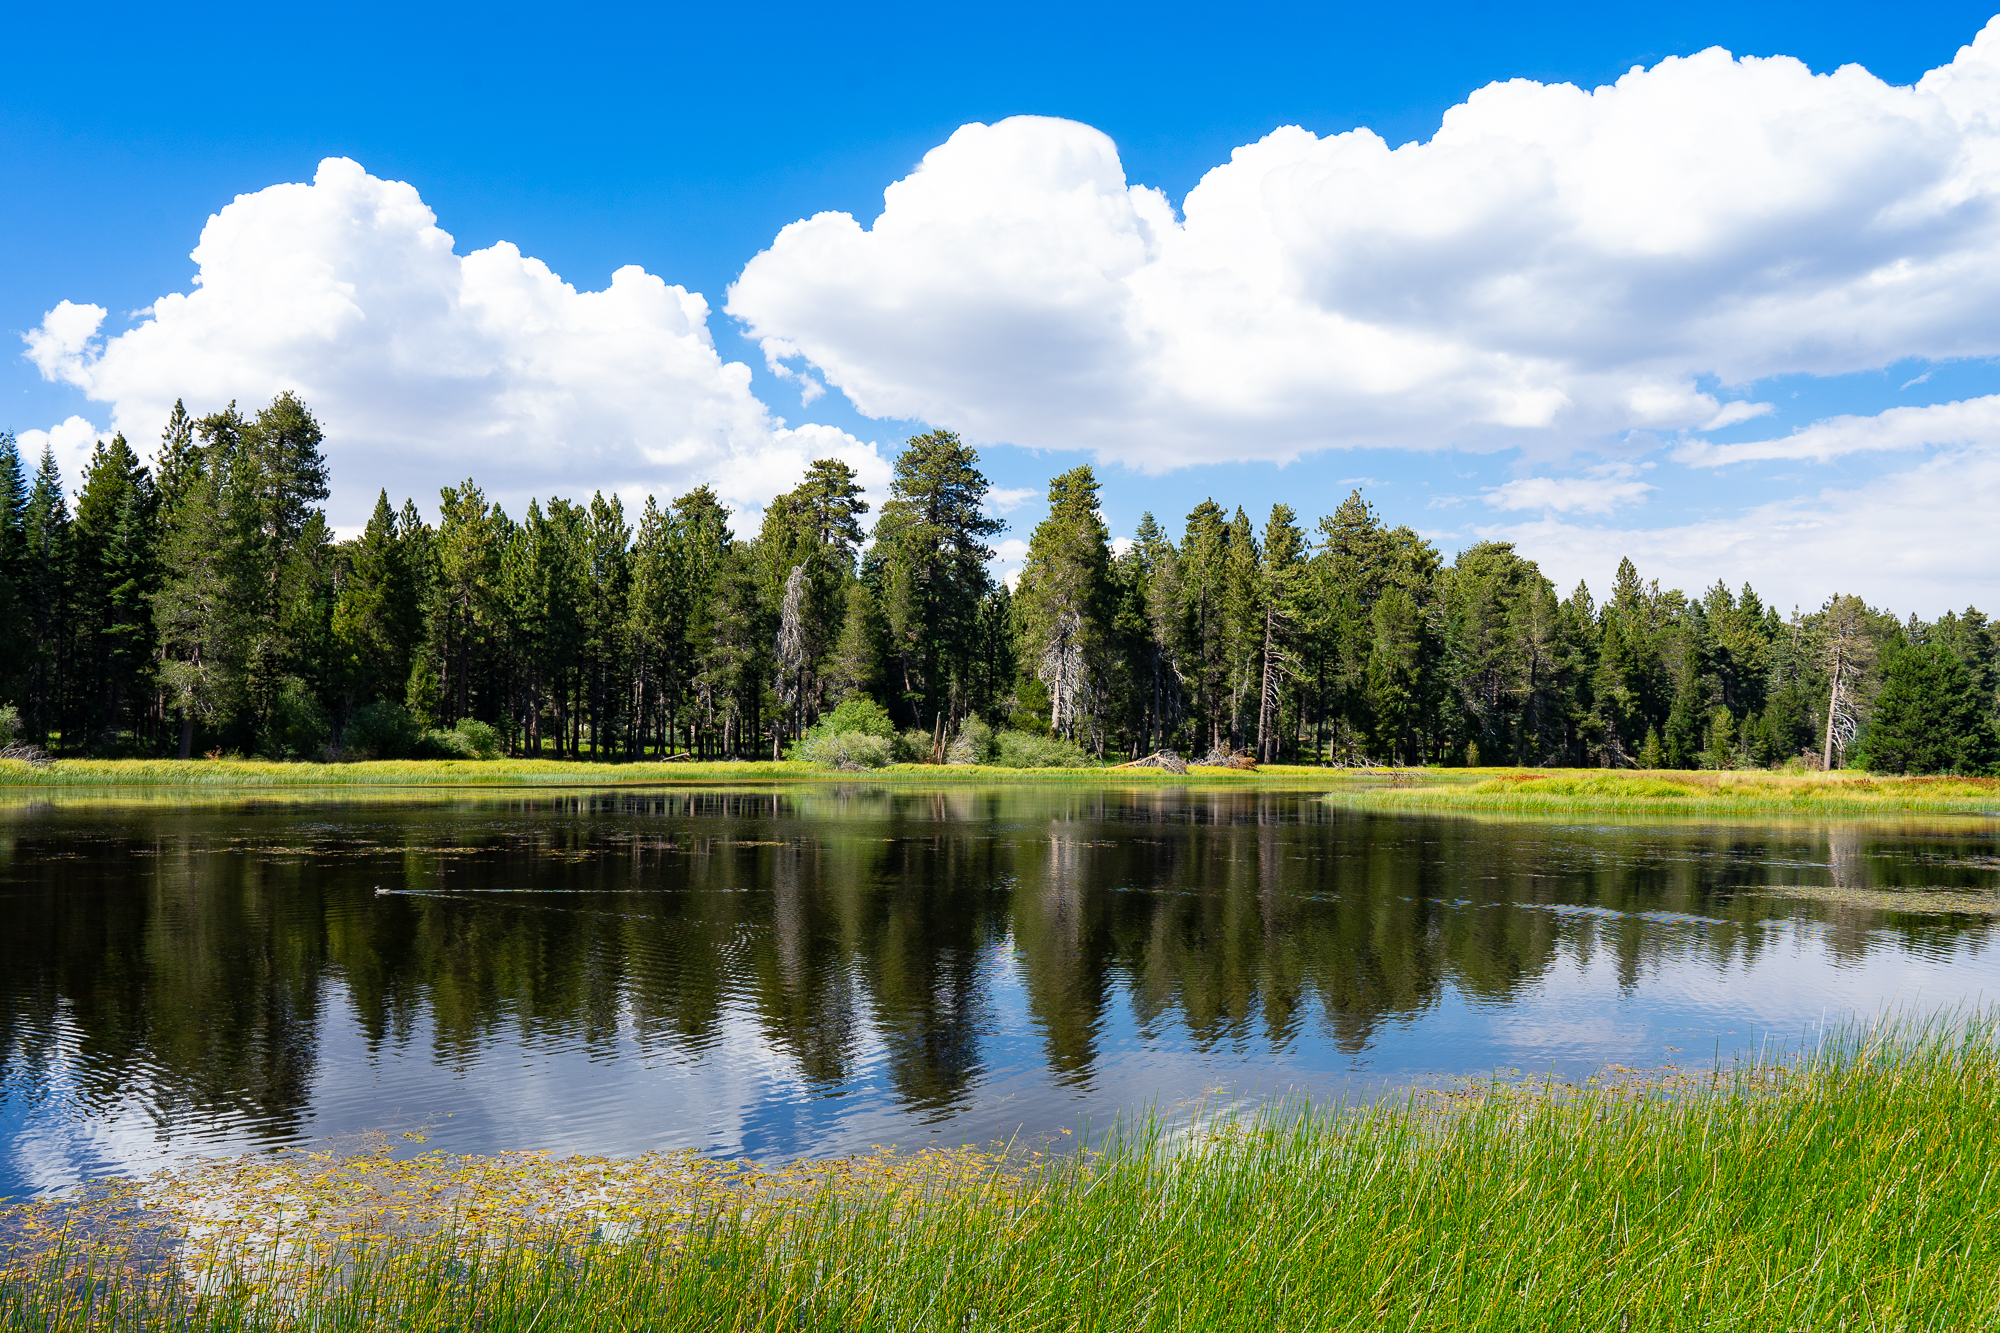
811,971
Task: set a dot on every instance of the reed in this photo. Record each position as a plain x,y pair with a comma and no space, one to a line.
1852,1188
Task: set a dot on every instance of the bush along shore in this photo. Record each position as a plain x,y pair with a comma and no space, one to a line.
1852,1188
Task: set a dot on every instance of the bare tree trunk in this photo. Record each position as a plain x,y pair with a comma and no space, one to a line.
1267,693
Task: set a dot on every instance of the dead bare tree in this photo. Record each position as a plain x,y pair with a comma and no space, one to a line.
793,651
1847,652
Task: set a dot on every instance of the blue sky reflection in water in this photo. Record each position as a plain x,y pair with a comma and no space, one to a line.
812,971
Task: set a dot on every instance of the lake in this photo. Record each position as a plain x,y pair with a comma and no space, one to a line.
807,971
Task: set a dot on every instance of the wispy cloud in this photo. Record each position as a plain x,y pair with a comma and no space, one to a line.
1973,421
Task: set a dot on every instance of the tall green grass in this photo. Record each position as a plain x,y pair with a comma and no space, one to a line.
1853,1189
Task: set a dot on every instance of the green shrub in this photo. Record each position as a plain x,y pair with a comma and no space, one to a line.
442,745
383,730
299,726
973,744
847,749
1025,749
10,724
856,713
481,738
913,747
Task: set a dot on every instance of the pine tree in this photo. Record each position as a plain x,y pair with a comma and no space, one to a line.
606,580
932,580
1281,581
1350,568
1204,627
855,666
378,616
13,552
45,586
465,609
813,531
701,542
654,625
113,512
1153,575
1928,717
1244,609
1063,605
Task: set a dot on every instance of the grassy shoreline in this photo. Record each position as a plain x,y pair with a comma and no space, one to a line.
1491,791
1854,1188
472,773
1672,795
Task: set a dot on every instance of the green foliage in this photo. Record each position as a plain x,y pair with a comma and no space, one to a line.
299,726
420,693
10,724
1929,718
928,563
383,730
973,744
1062,606
197,606
480,739
1721,749
1021,749
1651,754
858,713
845,749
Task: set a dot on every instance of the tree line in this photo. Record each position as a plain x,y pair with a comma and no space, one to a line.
203,605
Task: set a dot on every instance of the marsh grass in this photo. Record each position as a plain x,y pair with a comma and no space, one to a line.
235,774
1650,795
1674,794
1852,1188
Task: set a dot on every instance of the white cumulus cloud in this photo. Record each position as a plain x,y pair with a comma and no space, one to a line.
1975,421
426,366
1555,264
1881,540
70,441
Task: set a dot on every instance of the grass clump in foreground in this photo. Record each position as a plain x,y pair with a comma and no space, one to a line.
1854,1188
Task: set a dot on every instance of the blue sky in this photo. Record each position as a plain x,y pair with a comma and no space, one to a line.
683,141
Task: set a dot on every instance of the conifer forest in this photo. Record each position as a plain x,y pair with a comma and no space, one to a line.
203,606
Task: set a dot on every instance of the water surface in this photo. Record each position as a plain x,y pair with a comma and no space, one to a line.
807,971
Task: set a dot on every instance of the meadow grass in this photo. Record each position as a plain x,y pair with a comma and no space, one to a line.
1590,791
1669,794
230,774
1854,1188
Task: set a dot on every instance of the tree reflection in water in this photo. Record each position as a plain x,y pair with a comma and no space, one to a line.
190,951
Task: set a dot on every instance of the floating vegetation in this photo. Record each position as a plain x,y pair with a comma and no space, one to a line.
1854,1187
